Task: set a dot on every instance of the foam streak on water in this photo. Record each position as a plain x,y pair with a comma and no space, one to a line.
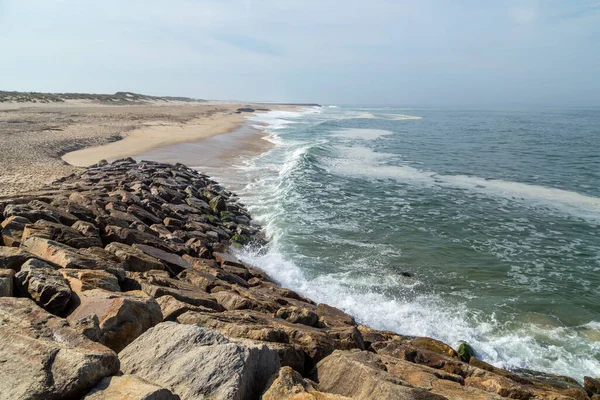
491,213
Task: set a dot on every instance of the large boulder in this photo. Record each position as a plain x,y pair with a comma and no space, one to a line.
44,358
60,233
128,387
289,385
122,316
45,285
362,375
158,284
67,257
198,363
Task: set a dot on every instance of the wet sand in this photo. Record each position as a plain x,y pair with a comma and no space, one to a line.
216,152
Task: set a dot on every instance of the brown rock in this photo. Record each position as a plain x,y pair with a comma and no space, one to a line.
81,280
334,317
44,358
134,236
171,308
12,230
45,285
6,282
231,300
298,315
289,385
175,263
133,259
128,387
13,258
591,384
227,259
67,257
60,233
86,229
362,375
203,280
143,215
122,316
158,283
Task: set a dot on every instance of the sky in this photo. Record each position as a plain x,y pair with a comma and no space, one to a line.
471,53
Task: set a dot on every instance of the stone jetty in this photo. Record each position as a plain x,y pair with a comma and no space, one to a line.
121,282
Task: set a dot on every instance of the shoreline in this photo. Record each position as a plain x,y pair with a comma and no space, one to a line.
43,142
145,139
147,256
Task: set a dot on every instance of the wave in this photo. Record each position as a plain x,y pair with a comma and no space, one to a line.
364,134
429,315
364,162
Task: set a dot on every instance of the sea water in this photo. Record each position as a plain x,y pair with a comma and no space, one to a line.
479,226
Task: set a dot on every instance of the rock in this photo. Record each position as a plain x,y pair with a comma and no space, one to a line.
61,216
175,263
60,233
362,375
122,316
134,236
30,213
289,385
13,258
143,215
45,285
87,229
134,260
6,282
197,363
44,358
465,352
333,317
67,257
233,301
218,204
298,315
158,283
12,230
81,280
254,325
173,223
128,387
171,308
227,259
591,384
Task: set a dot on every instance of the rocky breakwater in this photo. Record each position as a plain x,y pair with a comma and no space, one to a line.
119,283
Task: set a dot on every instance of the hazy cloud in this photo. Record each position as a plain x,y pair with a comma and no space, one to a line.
459,53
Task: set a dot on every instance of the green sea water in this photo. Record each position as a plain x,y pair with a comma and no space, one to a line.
481,226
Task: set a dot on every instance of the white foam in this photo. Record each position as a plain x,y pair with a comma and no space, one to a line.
365,134
363,161
429,316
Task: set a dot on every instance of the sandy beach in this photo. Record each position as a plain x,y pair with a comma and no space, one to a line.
42,142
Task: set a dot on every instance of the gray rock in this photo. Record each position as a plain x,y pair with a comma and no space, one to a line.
45,285
198,363
43,358
6,282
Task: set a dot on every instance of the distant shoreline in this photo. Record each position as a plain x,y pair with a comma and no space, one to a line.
45,140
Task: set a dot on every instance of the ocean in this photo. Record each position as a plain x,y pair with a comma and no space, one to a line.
462,225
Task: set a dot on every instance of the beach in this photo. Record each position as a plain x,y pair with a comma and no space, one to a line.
44,141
